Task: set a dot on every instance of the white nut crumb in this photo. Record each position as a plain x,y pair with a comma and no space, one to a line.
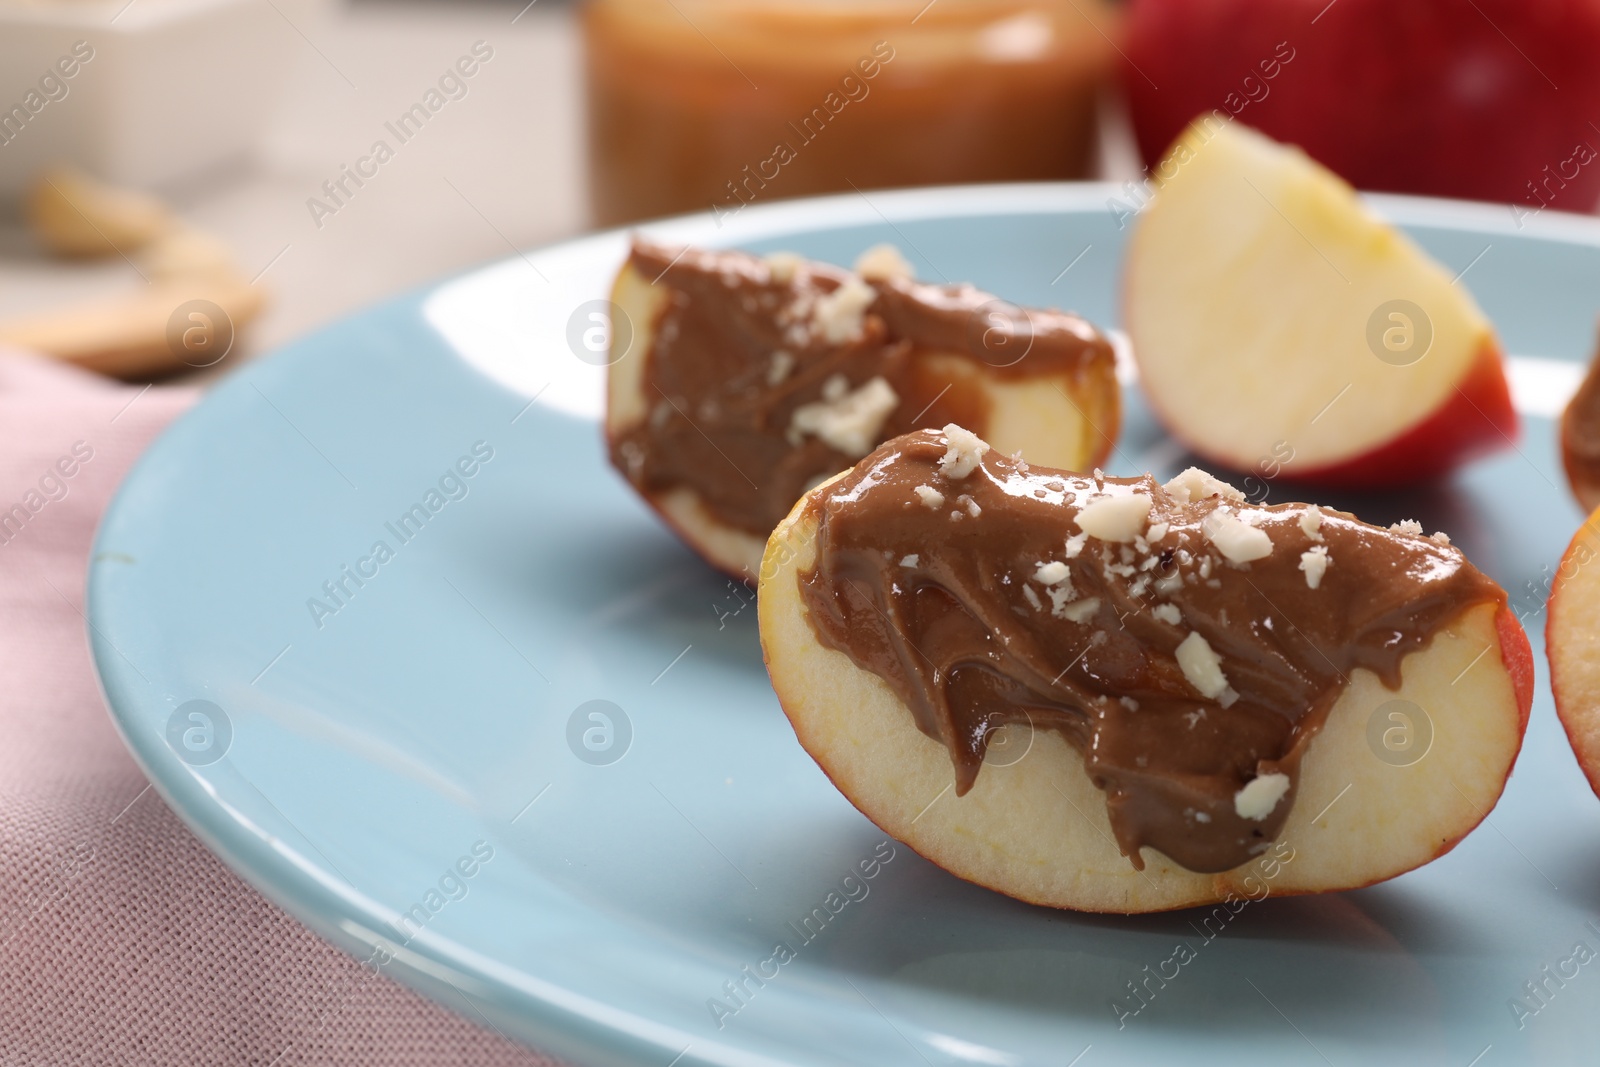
1260,796
839,315
930,497
911,560
778,369
1167,613
1440,538
1201,817
1408,526
1311,522
1051,573
1315,562
883,263
1236,539
964,449
1156,532
970,504
1060,596
1032,598
1075,544
847,421
1082,611
1129,703
1195,484
1115,518
783,266
1201,666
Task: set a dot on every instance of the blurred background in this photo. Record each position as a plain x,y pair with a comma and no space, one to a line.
187,183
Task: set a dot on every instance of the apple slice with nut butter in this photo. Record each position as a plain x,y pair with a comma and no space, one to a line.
738,382
1109,694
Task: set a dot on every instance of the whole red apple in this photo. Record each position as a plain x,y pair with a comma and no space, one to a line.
1478,99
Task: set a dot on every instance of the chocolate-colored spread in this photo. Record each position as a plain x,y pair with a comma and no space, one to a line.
1580,439
982,601
749,354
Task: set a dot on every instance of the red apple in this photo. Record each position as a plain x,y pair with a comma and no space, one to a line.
1481,99
1271,311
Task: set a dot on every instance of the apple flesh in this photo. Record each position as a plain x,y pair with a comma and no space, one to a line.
1037,829
1437,97
1269,308
1068,420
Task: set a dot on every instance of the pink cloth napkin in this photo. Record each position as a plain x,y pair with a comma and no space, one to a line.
122,940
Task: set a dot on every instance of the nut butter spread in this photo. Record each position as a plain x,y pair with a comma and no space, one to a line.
764,376
1188,644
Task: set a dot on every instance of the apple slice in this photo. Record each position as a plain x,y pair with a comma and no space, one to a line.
739,382
1571,638
1580,439
1269,309
1396,774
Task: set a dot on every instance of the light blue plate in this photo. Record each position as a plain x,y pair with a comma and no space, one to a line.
427,749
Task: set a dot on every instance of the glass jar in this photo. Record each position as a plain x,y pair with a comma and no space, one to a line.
700,105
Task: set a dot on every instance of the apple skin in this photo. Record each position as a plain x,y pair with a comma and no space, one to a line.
1427,96
1478,419
1570,710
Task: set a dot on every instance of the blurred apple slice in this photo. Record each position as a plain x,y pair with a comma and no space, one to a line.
1067,418
1269,308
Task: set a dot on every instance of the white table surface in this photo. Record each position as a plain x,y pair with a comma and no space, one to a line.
511,149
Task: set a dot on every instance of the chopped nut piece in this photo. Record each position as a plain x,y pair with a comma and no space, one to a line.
964,450
1260,796
970,504
882,263
1441,538
839,315
1060,596
1408,526
1195,484
1236,539
1051,573
783,266
1032,598
782,363
930,497
1156,532
1082,611
1115,518
1311,522
1075,544
910,561
1315,562
1167,613
1202,666
847,421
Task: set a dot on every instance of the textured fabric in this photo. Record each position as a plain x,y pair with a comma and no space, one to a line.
122,940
